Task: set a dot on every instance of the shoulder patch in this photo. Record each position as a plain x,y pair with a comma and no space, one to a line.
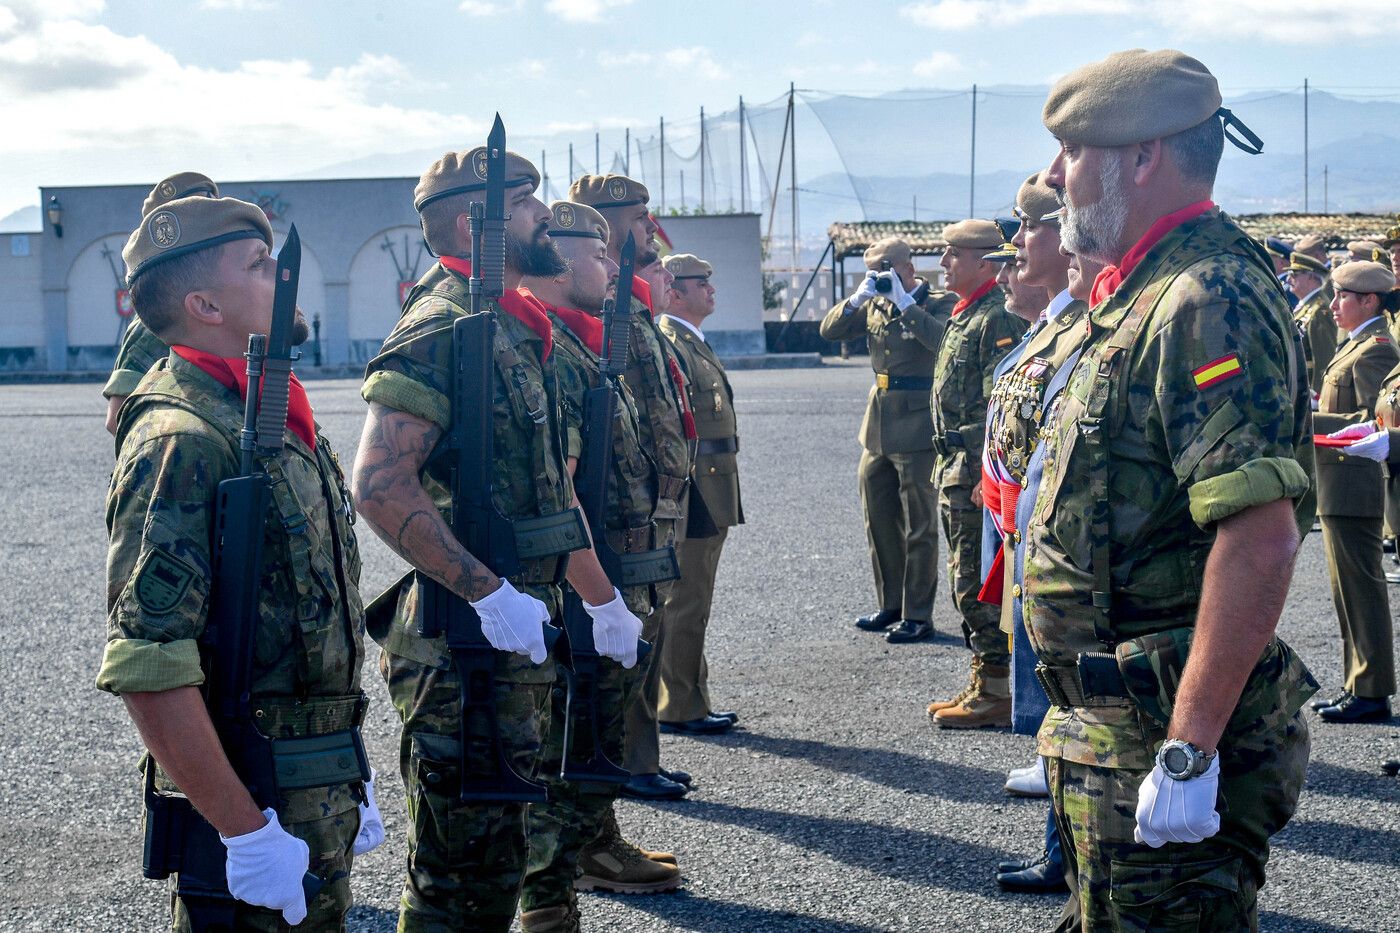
162,583
1217,371
1006,341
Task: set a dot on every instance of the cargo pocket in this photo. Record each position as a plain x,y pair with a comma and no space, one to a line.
437,819
1182,897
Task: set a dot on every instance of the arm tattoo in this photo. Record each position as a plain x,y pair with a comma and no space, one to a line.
390,496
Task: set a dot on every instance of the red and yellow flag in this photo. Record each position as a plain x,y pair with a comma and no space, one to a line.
1217,371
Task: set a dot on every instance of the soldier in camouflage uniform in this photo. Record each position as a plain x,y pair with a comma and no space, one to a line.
979,334
177,439
902,330
140,348
560,832
465,861
668,436
1165,526
1309,282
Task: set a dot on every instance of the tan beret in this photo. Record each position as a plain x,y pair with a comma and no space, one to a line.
974,234
187,225
569,219
603,191
1367,249
1131,97
891,249
1363,276
465,172
1036,201
1311,241
1392,236
1003,253
686,266
179,185
1300,262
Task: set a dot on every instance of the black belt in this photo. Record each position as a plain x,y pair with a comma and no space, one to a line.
904,383
1095,681
721,445
951,440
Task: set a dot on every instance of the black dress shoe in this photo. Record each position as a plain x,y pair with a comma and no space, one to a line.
1357,709
1018,864
909,630
725,714
1387,545
705,725
878,621
1390,767
680,777
1392,576
653,787
1322,702
1041,877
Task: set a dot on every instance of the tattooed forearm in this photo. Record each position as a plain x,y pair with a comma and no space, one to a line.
390,497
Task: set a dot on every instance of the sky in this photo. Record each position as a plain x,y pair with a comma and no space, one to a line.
95,92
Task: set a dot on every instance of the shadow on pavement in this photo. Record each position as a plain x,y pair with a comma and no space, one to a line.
907,855
1271,920
910,773
707,915
363,919
1362,784
1358,844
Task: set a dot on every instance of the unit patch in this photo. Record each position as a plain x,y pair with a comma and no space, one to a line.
162,583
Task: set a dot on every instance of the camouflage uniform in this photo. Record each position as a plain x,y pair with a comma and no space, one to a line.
1188,405
176,440
560,829
897,492
976,338
1319,330
465,861
651,368
138,353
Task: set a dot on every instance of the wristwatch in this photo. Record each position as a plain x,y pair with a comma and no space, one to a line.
1182,761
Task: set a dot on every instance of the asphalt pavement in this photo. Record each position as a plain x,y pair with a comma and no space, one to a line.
831,807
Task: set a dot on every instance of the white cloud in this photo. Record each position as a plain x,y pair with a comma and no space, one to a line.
1219,19
938,65
582,11
488,7
532,68
237,6
689,62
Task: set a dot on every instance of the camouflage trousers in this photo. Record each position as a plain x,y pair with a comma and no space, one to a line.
559,831
465,861
1127,887
981,622
330,840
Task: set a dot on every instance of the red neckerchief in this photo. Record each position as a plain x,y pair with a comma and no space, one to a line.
965,303
519,303
1110,277
641,290
583,325
233,374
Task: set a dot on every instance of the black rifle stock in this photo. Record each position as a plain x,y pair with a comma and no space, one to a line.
585,760
502,544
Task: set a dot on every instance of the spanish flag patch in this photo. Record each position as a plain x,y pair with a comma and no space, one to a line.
1217,371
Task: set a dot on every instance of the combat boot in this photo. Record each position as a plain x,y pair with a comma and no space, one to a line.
610,832
561,918
622,868
936,707
989,704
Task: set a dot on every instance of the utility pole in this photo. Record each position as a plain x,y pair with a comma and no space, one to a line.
571,163
792,180
1305,145
663,165
916,208
597,154
1324,190
972,173
544,177
743,162
627,152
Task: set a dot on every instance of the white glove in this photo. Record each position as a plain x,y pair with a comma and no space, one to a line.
902,299
615,630
371,835
1354,431
514,621
1374,446
265,867
1169,810
864,293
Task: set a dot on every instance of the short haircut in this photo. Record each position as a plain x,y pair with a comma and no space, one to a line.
439,220
1198,150
158,295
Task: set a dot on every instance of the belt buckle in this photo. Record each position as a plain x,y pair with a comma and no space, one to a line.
882,380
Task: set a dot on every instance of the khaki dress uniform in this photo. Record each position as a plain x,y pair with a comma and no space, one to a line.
1351,503
896,437
1314,319
685,693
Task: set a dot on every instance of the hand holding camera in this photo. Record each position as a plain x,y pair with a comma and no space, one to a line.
868,289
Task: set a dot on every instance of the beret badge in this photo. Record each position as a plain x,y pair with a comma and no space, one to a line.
164,229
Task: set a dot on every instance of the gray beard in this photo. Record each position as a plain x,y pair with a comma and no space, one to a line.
1095,230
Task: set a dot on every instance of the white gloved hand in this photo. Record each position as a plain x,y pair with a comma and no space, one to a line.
1354,431
615,630
514,621
265,867
902,299
864,293
1374,446
1169,810
371,834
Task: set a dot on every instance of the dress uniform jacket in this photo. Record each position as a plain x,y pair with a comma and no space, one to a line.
1388,418
1352,486
1319,330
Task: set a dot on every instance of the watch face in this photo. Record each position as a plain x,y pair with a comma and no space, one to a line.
1175,760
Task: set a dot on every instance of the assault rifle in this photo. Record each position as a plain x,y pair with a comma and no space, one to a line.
501,543
590,762
177,838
